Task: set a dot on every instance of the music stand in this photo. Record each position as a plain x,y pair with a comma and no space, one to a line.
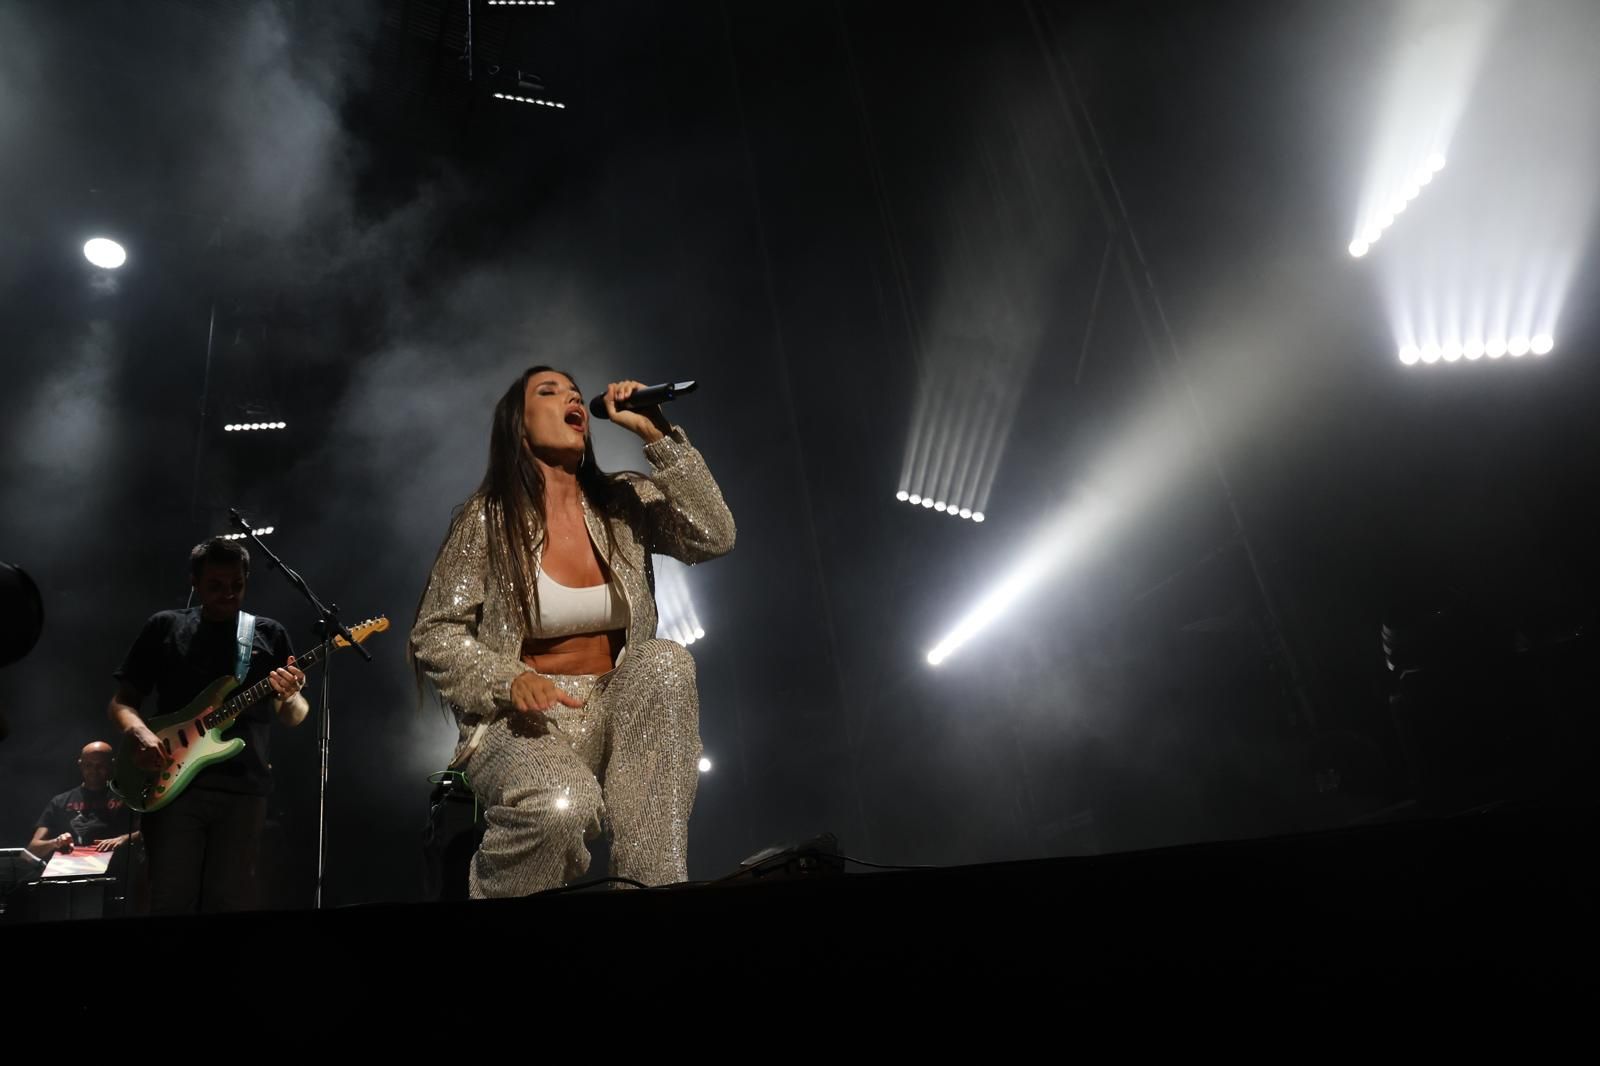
18,866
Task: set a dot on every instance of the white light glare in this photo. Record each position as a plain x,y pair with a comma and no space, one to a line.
528,100
705,765
105,253
1475,349
243,427
1413,188
263,531
1060,542
941,506
990,608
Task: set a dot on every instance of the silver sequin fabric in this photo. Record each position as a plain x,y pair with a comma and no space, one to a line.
468,640
625,760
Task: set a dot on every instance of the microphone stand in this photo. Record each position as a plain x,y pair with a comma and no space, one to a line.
328,626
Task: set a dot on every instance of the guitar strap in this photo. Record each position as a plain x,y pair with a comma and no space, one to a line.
246,638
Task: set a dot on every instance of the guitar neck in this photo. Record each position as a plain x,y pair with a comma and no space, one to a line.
242,701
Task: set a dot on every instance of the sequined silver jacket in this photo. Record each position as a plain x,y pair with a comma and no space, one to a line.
469,632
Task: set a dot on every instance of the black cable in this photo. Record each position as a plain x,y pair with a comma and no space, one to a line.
881,866
590,884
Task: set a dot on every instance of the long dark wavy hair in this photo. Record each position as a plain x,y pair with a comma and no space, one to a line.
512,491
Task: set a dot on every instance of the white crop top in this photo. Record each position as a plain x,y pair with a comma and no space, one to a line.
564,611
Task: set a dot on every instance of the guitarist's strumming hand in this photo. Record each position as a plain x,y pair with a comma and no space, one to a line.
147,754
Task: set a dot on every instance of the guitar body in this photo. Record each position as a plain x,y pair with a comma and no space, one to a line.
188,747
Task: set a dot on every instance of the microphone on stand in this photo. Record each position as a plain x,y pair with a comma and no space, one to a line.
646,397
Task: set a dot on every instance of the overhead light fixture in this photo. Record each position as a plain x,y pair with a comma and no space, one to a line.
1373,230
938,506
1476,348
528,100
260,532
105,253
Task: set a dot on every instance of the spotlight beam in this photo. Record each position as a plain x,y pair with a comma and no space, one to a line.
1080,523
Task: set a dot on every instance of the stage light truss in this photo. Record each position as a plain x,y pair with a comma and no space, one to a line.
260,532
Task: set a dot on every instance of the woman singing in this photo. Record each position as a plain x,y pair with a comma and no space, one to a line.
538,629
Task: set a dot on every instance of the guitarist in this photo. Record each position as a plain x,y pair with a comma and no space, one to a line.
202,847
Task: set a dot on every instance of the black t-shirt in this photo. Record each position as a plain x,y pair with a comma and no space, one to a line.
179,653
90,816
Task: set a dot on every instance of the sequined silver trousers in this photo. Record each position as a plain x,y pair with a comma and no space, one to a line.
627,760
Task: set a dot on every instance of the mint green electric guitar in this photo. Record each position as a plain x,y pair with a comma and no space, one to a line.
191,739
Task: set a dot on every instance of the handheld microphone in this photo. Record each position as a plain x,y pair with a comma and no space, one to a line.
646,397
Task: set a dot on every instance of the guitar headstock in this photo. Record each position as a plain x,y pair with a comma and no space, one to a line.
363,631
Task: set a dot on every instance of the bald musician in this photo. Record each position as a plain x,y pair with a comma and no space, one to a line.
90,815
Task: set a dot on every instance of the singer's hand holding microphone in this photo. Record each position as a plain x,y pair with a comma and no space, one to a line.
643,415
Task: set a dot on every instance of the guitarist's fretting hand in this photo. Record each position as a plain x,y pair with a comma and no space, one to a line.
287,680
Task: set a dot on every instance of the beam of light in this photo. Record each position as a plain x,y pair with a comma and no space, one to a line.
1371,232
105,253
248,427
962,421
1062,540
1491,258
1437,52
705,765
678,619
